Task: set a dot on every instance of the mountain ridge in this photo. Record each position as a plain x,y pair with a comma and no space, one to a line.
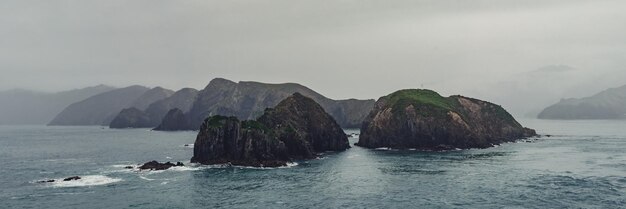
31,107
607,104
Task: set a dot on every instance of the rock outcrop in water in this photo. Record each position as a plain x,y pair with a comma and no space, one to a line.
423,119
72,178
297,128
154,165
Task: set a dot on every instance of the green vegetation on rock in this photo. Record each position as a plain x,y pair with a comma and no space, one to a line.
420,98
423,119
216,120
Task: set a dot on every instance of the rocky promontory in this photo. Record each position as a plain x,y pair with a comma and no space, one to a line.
423,119
297,128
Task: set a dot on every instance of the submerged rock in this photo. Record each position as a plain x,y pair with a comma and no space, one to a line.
423,119
297,128
154,165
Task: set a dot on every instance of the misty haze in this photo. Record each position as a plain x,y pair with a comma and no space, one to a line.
313,104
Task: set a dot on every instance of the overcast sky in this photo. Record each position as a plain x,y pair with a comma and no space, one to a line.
340,48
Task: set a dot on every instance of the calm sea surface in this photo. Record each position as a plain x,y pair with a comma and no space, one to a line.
583,165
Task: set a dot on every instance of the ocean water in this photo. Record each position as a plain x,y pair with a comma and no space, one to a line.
583,165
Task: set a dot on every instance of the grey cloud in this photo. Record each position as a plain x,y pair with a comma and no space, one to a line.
342,48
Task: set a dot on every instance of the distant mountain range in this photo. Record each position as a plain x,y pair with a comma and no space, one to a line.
26,107
101,109
248,100
150,117
608,104
140,107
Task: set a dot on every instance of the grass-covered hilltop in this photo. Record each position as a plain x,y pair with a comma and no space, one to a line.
423,119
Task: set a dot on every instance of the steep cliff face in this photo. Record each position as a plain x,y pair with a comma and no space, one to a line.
248,100
306,118
228,140
609,104
423,119
297,128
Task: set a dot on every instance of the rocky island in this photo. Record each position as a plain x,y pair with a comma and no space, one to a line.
297,128
423,119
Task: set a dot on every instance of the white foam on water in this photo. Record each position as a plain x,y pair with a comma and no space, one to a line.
289,165
121,169
125,165
89,180
353,156
412,149
383,148
184,168
188,145
146,178
149,172
171,169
